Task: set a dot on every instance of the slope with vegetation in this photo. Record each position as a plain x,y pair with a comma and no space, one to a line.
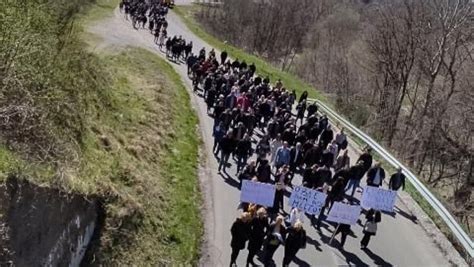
106,126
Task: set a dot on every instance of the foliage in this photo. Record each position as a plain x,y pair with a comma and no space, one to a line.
117,127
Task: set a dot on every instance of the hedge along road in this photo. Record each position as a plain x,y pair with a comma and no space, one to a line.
399,240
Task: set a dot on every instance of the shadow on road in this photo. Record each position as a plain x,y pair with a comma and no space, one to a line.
301,262
313,242
351,258
376,258
229,180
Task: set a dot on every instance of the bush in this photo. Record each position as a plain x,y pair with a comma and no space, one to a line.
48,82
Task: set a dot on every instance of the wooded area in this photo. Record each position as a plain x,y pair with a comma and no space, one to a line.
402,70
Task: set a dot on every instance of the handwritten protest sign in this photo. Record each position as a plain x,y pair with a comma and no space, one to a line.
258,193
378,198
308,200
344,213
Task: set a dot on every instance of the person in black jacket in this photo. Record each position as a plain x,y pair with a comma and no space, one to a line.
223,56
296,160
375,175
326,137
243,151
275,236
366,158
370,229
397,180
227,146
240,234
344,229
295,240
259,227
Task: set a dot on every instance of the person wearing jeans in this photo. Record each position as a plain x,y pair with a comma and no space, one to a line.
355,177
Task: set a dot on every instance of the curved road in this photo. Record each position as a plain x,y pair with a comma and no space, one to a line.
399,241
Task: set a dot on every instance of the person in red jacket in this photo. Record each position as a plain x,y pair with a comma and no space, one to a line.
243,102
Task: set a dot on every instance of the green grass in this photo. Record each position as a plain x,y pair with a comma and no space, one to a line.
138,154
263,68
155,172
100,10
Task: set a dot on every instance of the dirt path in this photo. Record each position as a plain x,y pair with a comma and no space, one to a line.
399,241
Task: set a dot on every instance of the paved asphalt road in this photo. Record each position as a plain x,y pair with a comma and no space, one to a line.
399,240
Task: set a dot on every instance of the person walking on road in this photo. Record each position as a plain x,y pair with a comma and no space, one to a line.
397,180
366,158
282,156
375,175
243,151
227,146
240,234
370,228
259,227
276,237
218,134
295,240
344,230
356,173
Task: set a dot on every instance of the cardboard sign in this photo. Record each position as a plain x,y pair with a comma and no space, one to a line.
257,193
378,198
307,200
344,213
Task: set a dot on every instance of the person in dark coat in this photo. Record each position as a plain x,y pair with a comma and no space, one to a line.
259,227
311,109
370,229
326,137
356,173
240,232
218,133
336,193
227,146
264,171
310,176
295,240
344,230
397,180
248,172
243,151
366,158
296,160
223,56
375,175
275,237
303,97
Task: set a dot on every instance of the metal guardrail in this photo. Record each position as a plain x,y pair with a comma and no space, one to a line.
456,229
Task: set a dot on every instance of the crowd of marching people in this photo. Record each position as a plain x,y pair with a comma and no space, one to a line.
248,109
271,135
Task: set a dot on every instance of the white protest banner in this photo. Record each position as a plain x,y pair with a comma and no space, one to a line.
378,198
257,193
308,200
344,213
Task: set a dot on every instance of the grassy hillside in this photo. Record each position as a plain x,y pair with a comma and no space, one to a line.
116,126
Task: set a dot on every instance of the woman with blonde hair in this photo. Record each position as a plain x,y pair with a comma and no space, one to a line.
240,234
276,236
259,226
295,240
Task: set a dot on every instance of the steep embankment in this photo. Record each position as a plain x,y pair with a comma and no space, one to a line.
114,127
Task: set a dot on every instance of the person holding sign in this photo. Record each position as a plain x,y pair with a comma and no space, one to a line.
375,175
344,230
240,234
